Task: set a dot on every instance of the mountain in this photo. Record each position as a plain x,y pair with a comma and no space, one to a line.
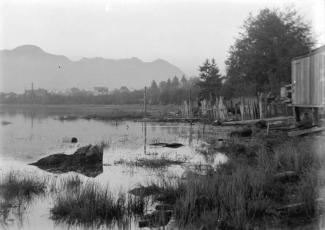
26,64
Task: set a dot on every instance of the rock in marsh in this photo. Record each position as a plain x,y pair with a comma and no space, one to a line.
168,145
87,160
242,132
145,190
74,140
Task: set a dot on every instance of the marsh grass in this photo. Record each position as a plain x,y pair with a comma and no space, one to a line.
17,191
19,185
92,203
243,190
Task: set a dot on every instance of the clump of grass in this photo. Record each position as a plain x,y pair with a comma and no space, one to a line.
92,203
153,163
21,185
69,183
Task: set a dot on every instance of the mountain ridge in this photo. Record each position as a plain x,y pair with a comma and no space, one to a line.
29,63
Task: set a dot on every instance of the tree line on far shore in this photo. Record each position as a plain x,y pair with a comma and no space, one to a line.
259,61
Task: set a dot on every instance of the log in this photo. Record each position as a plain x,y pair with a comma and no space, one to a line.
300,132
254,121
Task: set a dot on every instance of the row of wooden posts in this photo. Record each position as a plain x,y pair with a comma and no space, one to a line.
243,108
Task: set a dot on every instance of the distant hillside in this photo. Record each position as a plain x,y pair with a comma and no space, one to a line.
25,64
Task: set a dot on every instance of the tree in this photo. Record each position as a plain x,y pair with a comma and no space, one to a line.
154,92
210,80
175,82
183,81
260,59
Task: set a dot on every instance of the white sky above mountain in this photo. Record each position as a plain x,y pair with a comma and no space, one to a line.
183,32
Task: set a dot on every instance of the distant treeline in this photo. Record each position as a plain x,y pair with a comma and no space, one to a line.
258,62
172,91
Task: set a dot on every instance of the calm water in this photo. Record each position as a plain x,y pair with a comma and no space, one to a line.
34,134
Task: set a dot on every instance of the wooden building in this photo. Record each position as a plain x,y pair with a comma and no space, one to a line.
308,79
308,82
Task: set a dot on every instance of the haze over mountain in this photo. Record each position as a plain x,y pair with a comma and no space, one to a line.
26,64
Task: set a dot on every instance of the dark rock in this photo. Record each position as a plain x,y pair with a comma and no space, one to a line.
168,145
74,140
155,219
261,124
242,132
145,190
5,122
87,160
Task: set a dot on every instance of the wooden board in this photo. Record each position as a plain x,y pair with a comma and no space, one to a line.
300,132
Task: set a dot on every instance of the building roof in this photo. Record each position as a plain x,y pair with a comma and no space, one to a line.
312,52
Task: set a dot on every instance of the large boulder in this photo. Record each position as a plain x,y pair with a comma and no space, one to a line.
87,160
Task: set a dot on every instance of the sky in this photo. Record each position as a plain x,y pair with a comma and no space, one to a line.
183,32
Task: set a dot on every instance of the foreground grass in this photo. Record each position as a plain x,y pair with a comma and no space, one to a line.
248,189
92,203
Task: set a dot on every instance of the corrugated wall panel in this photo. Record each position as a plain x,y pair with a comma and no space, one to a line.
309,75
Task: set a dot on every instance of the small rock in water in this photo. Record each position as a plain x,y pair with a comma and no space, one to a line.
5,122
74,140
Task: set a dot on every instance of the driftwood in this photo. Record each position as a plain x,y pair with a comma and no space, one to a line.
287,176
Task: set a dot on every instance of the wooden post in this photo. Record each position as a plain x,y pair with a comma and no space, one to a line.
145,102
242,108
315,116
260,105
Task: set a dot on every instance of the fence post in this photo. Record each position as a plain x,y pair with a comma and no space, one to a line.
241,107
260,104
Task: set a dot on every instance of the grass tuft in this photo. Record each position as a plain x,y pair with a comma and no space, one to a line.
92,203
21,185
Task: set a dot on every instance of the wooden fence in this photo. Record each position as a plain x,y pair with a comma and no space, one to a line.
243,108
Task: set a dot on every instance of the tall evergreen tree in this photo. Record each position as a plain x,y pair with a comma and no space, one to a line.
210,80
260,59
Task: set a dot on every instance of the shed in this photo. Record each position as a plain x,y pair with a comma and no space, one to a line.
308,79
308,83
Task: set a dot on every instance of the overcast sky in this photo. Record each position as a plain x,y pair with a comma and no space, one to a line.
182,32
